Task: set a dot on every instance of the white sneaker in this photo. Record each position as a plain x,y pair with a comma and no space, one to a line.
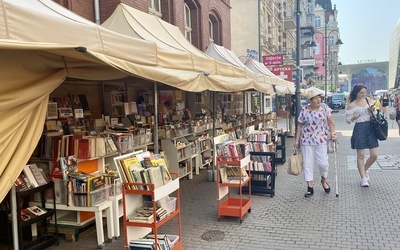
367,175
364,182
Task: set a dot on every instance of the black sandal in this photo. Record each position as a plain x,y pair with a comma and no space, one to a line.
310,191
328,189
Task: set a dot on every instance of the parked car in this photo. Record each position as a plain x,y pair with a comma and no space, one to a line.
337,101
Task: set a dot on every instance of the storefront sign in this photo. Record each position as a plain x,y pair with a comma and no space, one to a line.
273,59
308,62
283,72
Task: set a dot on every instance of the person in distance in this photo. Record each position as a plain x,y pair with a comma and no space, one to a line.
397,106
315,126
363,137
385,104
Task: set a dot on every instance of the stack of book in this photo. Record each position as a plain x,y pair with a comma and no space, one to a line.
31,177
164,242
145,214
233,150
143,168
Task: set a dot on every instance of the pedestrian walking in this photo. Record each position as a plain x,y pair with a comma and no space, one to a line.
315,126
397,106
392,97
363,137
376,103
292,116
385,104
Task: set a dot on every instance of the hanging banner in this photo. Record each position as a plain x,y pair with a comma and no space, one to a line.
273,59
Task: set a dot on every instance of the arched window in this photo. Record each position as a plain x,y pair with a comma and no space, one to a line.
154,7
188,23
210,26
215,28
317,21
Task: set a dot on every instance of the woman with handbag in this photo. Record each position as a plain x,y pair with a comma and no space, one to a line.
314,123
363,137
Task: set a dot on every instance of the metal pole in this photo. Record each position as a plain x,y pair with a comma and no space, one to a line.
156,150
298,13
326,57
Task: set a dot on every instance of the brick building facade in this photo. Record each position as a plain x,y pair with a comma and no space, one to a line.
201,12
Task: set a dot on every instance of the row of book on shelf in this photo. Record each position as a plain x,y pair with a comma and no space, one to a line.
143,168
31,177
55,144
164,242
233,149
266,136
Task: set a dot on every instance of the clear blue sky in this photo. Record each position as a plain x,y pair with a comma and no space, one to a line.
365,28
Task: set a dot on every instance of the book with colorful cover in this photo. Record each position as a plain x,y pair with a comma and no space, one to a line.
36,210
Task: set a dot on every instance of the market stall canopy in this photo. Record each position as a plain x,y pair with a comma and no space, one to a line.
282,86
37,57
227,56
174,50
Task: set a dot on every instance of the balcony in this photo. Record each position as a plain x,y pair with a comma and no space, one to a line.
289,19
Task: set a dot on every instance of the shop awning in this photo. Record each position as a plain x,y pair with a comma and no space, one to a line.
227,56
282,86
175,51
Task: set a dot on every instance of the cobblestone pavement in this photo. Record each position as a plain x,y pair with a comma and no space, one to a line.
360,218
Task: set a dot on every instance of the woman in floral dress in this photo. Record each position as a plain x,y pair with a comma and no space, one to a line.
315,127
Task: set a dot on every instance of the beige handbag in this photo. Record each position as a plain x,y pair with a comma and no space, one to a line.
392,115
295,163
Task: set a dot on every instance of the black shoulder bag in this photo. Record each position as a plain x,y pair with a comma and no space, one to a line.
379,125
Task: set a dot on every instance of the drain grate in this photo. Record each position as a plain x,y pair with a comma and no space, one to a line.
213,235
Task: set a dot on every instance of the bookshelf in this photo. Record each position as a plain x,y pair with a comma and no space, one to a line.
114,103
133,199
263,174
280,148
201,150
227,204
40,237
178,152
231,103
194,102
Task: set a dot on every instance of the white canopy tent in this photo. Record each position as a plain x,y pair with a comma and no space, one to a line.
282,86
37,57
170,41
222,54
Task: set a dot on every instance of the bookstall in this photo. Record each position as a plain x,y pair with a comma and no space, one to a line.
80,96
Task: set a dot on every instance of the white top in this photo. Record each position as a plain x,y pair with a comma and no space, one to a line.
357,110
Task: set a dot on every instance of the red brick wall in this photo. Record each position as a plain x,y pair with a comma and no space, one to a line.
172,11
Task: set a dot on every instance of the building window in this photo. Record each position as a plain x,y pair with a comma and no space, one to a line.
331,40
211,28
317,21
214,21
188,23
155,7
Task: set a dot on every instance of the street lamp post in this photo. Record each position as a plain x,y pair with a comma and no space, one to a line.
326,59
326,53
298,13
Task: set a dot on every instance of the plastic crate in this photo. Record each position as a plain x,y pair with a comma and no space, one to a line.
148,138
60,190
169,204
136,140
92,198
116,188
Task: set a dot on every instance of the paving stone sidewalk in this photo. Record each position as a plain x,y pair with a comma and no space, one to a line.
360,218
